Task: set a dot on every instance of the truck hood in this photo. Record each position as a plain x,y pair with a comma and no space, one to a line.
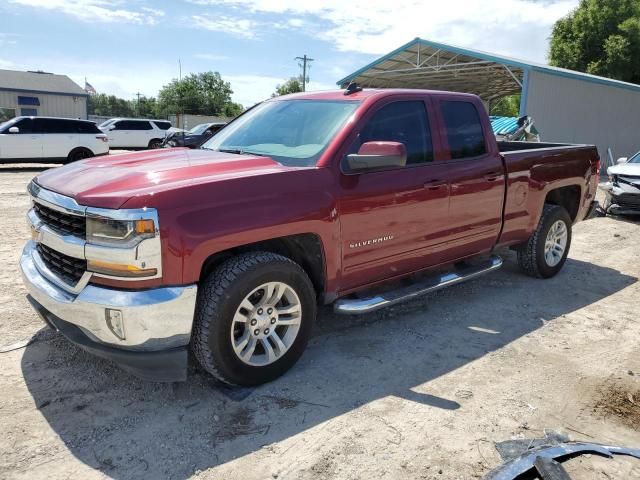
109,181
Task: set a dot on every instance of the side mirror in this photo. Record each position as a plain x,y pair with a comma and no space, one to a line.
378,155
14,130
622,160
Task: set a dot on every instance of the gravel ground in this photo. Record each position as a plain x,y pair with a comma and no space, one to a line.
419,391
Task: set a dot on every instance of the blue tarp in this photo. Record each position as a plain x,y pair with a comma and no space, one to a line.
503,125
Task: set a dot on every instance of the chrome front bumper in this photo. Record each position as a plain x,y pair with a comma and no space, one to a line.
152,320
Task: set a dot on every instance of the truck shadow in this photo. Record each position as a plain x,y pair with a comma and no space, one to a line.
126,428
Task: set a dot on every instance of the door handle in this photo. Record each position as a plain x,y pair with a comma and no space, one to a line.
435,184
493,176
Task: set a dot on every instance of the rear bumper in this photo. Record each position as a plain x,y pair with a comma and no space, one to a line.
154,328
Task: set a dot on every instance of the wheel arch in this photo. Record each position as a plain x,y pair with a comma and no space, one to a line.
568,197
79,149
305,249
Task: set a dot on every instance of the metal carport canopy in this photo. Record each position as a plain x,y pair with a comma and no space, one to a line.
436,66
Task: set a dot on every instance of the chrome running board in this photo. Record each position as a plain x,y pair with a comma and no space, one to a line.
357,306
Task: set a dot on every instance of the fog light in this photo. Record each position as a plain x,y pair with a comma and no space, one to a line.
115,322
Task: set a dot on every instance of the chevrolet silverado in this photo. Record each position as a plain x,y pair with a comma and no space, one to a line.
306,199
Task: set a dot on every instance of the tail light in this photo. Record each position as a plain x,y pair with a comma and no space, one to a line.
103,138
598,166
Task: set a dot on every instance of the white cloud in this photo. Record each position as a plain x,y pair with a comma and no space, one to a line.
8,39
7,64
98,11
210,56
512,27
240,27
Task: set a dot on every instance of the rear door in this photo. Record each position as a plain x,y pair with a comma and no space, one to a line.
394,221
24,144
120,133
142,132
476,174
58,136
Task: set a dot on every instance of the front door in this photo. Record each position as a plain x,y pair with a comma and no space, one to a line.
394,221
26,144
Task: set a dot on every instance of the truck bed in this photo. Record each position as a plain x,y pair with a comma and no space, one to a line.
505,146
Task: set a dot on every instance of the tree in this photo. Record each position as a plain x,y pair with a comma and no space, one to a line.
110,106
293,85
201,94
601,37
508,106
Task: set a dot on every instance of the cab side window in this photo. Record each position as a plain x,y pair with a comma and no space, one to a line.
404,122
464,130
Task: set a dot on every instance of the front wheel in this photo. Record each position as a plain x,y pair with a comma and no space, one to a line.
253,318
546,250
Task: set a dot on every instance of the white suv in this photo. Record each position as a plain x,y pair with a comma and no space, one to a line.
50,138
135,132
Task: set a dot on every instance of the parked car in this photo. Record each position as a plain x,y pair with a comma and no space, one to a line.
194,137
135,133
623,189
313,197
50,139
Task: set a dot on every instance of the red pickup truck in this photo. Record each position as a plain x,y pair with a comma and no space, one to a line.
310,198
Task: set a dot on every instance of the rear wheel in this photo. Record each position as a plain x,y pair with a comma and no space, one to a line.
155,143
546,250
79,154
253,318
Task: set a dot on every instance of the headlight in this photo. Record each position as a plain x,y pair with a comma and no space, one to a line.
123,244
172,143
122,233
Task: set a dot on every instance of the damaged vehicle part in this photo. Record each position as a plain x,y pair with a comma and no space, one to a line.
538,457
623,188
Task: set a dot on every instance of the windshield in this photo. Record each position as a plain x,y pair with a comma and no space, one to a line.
106,124
635,158
4,127
292,132
199,129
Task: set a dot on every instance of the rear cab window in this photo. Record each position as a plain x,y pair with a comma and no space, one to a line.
464,132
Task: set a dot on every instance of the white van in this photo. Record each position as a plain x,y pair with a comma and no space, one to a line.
50,139
135,132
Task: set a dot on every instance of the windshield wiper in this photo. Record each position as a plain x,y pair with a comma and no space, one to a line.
239,151
231,150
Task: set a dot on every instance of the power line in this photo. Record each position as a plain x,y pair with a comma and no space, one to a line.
304,59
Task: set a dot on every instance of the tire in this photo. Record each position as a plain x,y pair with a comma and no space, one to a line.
219,305
534,257
155,143
79,154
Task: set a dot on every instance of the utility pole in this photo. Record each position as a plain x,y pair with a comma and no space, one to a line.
138,104
304,59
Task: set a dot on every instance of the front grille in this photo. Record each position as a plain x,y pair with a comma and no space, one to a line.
62,222
627,200
69,269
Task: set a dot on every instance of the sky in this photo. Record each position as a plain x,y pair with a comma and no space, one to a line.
124,47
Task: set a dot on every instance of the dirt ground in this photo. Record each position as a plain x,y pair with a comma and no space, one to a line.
419,391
